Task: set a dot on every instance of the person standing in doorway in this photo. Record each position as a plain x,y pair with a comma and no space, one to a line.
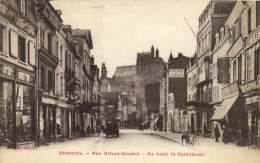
217,133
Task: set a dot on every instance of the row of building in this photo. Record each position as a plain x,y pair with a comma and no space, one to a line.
49,84
222,79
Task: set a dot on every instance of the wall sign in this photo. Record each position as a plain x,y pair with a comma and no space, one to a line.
176,73
17,20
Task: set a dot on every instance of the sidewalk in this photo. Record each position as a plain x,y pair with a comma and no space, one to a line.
206,144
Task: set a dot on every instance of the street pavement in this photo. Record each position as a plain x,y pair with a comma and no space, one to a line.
133,146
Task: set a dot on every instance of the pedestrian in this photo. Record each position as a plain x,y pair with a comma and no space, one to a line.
205,130
88,130
217,133
98,129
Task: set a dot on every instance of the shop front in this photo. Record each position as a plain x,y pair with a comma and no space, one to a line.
251,93
17,106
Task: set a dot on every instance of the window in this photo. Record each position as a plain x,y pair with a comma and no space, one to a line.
42,84
21,48
23,6
257,13
234,71
49,42
61,57
249,20
50,80
257,63
1,38
24,112
239,70
57,48
42,37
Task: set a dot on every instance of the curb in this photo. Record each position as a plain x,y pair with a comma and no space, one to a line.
166,138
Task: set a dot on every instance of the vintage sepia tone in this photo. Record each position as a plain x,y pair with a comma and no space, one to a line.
129,81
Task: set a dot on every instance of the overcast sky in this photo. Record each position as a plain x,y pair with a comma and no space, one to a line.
121,28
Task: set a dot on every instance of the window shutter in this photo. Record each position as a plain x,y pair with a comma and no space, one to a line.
31,51
223,71
13,44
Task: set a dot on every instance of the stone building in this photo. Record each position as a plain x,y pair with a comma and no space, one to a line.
18,76
210,22
134,78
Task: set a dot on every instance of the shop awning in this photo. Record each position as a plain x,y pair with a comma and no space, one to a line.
224,108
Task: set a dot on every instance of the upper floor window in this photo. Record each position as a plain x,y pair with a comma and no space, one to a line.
1,38
257,63
234,71
49,42
57,48
61,57
50,80
249,20
23,6
21,48
42,37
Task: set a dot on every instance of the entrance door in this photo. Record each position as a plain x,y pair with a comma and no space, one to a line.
192,123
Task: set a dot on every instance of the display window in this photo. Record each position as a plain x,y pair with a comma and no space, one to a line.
6,111
24,108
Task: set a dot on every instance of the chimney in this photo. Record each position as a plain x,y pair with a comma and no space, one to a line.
59,12
157,53
152,51
103,70
92,60
180,54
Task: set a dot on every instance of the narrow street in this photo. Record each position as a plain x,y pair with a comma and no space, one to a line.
131,146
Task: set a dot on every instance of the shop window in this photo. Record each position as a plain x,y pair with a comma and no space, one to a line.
23,6
24,113
42,37
50,80
21,48
6,111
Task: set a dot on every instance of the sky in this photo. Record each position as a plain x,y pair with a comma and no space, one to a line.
122,28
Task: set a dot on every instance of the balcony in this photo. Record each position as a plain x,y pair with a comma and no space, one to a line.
48,57
230,89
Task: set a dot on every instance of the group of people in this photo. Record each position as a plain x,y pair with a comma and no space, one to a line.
91,130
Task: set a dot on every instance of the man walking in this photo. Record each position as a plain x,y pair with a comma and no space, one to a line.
217,133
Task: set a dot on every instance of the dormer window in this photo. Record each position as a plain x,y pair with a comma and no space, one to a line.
217,39
22,6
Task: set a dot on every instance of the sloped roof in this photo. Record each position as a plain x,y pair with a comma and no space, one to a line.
86,34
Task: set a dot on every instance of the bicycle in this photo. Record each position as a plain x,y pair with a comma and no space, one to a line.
195,141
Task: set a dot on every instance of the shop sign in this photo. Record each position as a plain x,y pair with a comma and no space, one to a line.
7,71
248,87
25,77
17,20
176,73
